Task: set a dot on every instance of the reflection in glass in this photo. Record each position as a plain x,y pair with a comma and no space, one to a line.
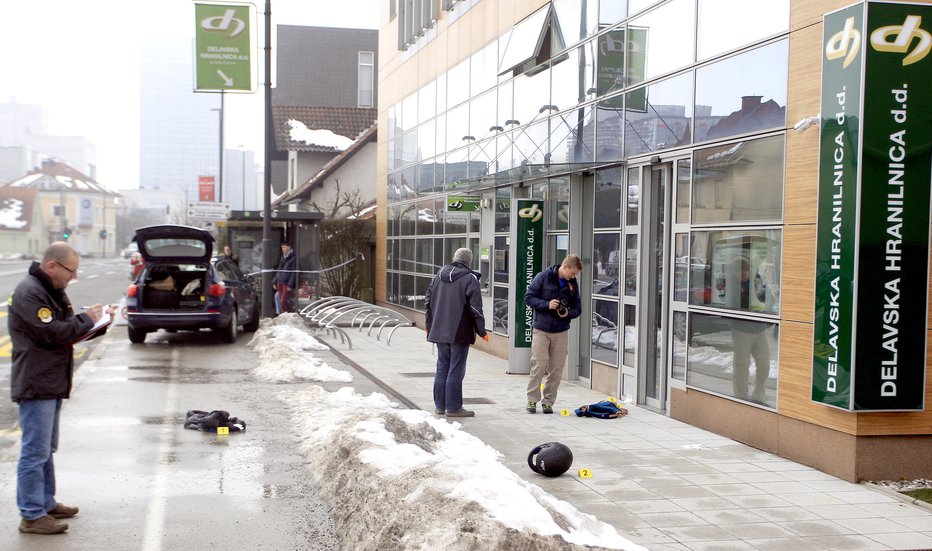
734,357
739,182
575,20
481,158
425,217
571,78
605,263
456,168
427,140
531,143
736,270
679,346
502,209
390,289
484,69
607,212
408,219
572,137
609,119
557,248
611,12
482,113
458,84
406,293
409,147
605,331
631,335
558,204
500,259
658,116
718,31
500,310
661,41
427,101
456,222
611,72
531,92
505,111
631,265
683,170
742,94
681,267
425,256
458,126
408,115
406,261
633,196
439,260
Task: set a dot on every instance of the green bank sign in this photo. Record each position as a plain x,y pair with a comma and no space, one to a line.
875,170
528,251
223,47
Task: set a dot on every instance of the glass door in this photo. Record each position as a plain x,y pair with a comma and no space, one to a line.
653,296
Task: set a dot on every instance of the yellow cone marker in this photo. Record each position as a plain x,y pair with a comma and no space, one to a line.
585,473
564,413
223,430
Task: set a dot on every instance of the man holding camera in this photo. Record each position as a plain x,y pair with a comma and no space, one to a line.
554,297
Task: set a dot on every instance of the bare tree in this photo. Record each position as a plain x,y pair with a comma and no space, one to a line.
342,238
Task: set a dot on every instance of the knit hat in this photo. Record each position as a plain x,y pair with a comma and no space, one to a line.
463,256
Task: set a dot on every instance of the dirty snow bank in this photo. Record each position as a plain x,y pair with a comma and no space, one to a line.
283,345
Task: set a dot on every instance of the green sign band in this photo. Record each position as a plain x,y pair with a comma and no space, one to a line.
873,218
529,237
223,47
463,203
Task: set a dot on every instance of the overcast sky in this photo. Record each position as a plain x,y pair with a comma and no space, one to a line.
80,61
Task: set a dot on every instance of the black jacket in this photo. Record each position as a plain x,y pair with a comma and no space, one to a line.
454,306
546,287
43,328
286,273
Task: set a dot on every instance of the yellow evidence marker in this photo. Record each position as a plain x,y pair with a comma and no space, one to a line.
223,430
585,473
564,413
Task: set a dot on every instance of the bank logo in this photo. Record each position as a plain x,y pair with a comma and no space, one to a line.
898,39
844,44
224,23
533,212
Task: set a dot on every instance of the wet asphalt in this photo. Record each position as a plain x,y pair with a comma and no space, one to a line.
144,482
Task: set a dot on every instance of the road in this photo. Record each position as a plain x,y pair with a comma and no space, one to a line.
99,280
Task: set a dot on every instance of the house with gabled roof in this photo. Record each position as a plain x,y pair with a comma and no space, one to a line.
73,207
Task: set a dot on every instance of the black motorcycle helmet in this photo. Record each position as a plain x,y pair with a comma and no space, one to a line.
550,459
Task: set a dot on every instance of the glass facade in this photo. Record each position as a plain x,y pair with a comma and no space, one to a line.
583,86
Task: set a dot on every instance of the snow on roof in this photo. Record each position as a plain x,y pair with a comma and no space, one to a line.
408,469
11,212
26,180
323,138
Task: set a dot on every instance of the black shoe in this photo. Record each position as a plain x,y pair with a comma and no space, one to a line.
439,411
461,413
531,407
547,408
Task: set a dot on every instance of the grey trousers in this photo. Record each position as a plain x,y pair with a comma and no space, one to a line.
548,358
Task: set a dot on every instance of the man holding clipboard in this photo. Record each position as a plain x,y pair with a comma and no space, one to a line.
43,329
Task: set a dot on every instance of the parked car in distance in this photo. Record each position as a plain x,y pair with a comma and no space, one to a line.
182,287
133,247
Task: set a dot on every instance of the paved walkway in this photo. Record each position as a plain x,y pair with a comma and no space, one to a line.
662,483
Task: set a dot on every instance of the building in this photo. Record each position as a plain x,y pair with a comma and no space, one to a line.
71,207
25,142
22,232
657,140
179,130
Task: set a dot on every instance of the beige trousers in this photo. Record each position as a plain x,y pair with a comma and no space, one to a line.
548,358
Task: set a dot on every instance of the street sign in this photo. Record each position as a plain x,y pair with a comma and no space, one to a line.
223,47
209,205
208,210
207,214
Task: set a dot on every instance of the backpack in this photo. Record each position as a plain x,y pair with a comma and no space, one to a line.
601,410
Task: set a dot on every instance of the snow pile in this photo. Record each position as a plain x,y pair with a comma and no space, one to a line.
403,479
283,354
321,138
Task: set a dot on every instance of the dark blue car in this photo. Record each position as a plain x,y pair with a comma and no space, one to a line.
183,288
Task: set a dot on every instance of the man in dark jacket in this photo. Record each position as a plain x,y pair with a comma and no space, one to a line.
286,278
43,328
454,318
554,297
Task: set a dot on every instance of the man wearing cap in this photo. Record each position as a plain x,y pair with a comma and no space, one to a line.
454,318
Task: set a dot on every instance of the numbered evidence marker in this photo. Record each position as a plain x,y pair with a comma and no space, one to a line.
585,473
613,400
223,430
564,413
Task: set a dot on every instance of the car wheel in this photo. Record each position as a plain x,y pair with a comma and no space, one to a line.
136,336
253,324
229,332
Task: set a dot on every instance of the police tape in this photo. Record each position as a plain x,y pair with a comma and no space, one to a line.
359,256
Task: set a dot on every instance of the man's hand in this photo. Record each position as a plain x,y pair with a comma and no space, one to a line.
485,337
554,304
95,312
113,311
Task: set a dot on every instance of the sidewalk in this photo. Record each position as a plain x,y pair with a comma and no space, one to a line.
660,482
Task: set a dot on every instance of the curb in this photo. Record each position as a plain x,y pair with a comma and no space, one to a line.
899,496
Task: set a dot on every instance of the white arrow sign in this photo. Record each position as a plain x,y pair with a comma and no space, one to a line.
227,80
209,205
207,214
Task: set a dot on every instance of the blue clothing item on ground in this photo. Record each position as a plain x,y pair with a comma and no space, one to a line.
35,473
448,381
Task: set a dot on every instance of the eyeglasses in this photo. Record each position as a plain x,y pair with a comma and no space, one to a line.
74,273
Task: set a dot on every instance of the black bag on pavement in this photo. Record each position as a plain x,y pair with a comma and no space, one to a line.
210,421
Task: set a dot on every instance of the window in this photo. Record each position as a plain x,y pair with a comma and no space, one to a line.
718,32
366,78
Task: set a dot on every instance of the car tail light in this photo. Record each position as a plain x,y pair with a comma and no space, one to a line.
132,291
217,290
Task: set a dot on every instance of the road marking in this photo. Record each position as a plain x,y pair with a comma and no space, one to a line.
6,347
155,515
92,276
110,273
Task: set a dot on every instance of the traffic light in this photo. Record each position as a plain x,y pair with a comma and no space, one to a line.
66,234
